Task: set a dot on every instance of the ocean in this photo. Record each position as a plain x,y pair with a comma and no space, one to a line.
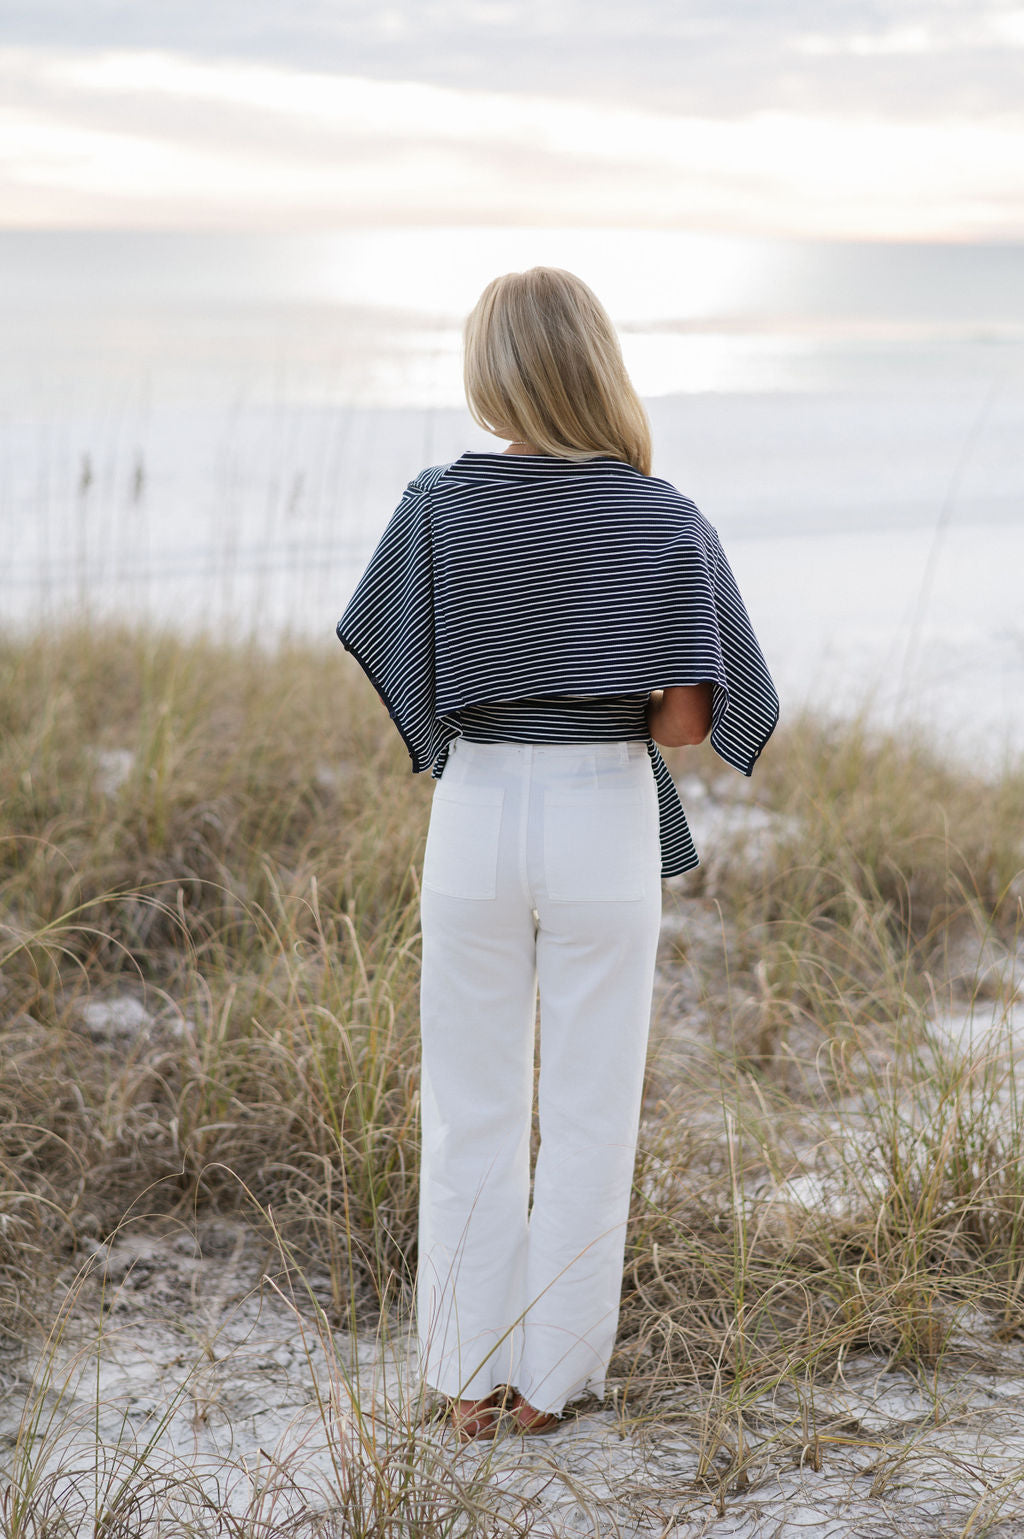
212,430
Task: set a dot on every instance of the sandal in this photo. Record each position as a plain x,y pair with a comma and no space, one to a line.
476,1420
527,1421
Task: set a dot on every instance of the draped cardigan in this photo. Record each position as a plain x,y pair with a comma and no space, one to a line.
505,577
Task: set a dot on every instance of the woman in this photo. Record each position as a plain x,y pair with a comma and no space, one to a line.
535,620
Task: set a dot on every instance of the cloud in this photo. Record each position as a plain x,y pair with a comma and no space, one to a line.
157,139
713,58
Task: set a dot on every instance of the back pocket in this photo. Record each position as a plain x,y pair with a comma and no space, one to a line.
594,845
461,856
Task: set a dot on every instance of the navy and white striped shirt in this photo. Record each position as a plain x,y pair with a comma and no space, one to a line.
505,580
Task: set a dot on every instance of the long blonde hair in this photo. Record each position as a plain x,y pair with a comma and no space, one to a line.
543,366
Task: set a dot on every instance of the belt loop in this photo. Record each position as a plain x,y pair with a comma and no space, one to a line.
623,753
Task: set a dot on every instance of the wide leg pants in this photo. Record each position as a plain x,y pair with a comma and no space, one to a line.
541,869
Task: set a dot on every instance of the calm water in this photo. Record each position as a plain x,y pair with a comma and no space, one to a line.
213,429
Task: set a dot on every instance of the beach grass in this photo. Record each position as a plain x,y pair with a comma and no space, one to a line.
209,861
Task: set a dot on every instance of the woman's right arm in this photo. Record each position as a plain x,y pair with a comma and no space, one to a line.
680,715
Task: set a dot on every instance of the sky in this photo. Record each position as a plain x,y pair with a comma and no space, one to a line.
804,118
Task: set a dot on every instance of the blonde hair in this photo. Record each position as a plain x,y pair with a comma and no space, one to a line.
543,366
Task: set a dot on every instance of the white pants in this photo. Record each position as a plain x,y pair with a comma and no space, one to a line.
541,867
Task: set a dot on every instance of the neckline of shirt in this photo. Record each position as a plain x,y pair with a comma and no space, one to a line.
498,460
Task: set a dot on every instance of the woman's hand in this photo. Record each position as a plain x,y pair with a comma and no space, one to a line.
680,715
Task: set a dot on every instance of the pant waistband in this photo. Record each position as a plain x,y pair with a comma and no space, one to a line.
619,752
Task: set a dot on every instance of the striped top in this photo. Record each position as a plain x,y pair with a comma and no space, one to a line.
516,578
557,719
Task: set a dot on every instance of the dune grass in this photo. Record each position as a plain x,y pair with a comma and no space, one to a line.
229,839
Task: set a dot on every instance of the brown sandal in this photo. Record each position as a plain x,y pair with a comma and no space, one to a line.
527,1421
476,1420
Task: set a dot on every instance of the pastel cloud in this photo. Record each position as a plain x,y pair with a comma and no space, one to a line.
151,138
